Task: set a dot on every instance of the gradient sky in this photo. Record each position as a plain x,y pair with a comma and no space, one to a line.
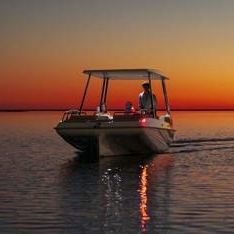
45,45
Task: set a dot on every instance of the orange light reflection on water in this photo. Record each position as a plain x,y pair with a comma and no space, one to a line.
143,199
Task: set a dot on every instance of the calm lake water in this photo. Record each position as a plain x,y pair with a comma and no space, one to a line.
44,189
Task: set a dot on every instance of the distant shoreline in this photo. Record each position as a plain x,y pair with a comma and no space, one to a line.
28,110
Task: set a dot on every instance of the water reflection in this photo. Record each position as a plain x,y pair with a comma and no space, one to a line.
119,193
187,192
112,180
143,198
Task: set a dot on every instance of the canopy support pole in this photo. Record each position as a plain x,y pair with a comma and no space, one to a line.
166,97
103,92
151,95
106,89
84,95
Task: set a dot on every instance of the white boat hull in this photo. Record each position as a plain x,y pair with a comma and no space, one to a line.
118,138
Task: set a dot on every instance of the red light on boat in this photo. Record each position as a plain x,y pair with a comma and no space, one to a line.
133,109
143,120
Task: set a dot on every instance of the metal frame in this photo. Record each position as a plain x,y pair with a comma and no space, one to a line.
106,89
104,92
84,95
151,95
165,97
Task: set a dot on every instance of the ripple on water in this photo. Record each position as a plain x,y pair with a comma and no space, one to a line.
45,189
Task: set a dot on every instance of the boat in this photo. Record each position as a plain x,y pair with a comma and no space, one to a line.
104,132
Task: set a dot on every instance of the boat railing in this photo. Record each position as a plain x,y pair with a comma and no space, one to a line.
141,112
125,115
72,113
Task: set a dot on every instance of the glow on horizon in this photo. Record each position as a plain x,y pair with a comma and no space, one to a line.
46,45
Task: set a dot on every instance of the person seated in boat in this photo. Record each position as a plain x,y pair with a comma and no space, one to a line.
145,102
129,108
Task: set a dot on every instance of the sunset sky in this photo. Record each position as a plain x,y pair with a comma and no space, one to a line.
45,46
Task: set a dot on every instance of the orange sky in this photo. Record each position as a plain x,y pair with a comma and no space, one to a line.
45,47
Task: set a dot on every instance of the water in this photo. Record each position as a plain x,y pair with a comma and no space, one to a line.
44,189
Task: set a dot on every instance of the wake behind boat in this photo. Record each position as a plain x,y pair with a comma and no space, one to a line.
123,132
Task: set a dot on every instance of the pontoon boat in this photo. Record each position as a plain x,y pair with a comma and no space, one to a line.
105,133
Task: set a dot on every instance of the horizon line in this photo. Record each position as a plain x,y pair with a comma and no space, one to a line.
114,109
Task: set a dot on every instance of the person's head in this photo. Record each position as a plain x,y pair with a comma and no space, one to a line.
146,86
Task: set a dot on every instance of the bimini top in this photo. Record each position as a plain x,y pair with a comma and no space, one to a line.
127,74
